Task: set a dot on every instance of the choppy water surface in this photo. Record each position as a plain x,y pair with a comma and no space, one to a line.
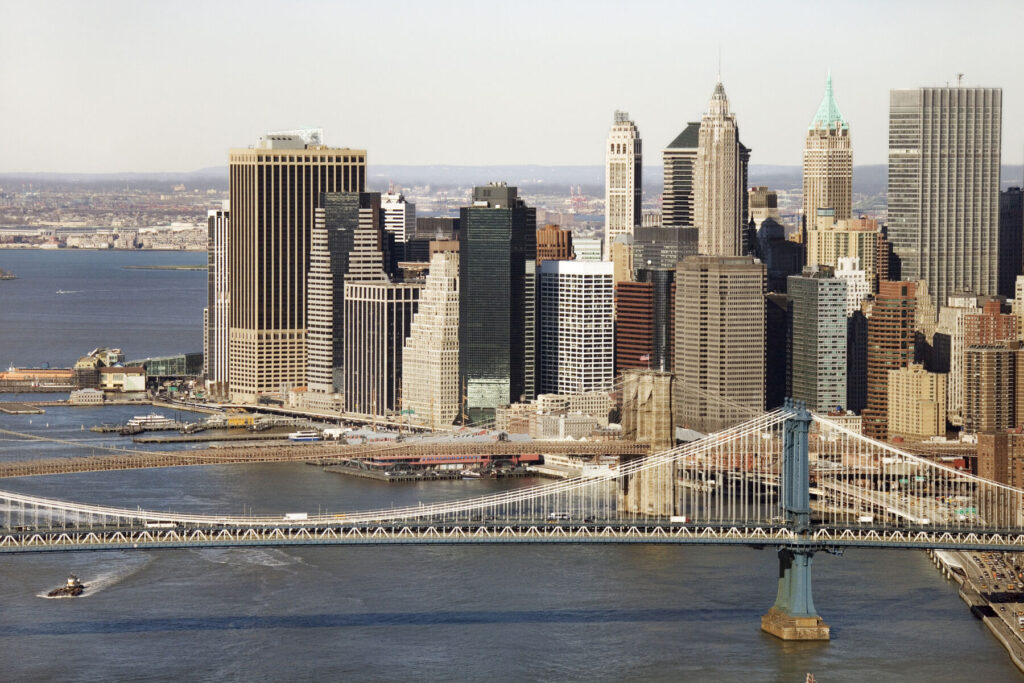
518,612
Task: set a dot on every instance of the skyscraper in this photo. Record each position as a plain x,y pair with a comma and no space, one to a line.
399,219
218,297
890,346
645,321
720,341
678,160
335,223
430,362
623,180
553,244
828,161
1011,239
829,240
378,317
274,190
497,308
720,180
816,360
944,155
577,347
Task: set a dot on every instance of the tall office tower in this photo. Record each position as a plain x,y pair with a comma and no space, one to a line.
781,256
829,240
917,402
720,341
857,287
720,180
429,229
949,344
990,325
890,346
651,218
1011,239
828,161
857,358
944,154
1018,304
335,223
816,362
378,317
577,334
663,247
679,160
622,258
399,219
275,187
430,361
992,387
764,204
776,347
645,321
553,244
587,248
497,308
623,180
218,298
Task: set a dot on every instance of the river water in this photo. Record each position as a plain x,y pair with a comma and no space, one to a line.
527,612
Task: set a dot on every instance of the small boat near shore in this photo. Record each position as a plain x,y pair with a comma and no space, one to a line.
7,275
72,589
305,435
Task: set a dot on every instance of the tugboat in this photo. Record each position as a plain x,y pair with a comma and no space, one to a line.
72,589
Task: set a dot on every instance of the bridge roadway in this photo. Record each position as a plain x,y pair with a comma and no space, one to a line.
650,532
324,453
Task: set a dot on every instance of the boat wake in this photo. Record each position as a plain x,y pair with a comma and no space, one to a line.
242,557
94,583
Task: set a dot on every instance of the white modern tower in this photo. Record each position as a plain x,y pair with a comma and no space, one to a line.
623,186
399,216
577,344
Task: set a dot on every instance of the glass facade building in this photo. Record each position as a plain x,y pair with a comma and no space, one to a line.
497,307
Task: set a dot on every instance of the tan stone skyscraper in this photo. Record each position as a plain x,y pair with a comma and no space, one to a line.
720,180
720,341
828,162
430,362
274,189
623,180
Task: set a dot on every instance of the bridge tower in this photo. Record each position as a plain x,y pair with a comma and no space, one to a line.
793,616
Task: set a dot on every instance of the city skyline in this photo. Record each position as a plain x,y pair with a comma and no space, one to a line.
143,89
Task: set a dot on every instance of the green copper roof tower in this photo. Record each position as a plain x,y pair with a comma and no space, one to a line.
828,163
828,115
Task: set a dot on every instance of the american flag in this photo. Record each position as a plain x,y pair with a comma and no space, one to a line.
646,357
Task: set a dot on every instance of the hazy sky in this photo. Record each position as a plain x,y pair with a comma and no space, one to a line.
171,86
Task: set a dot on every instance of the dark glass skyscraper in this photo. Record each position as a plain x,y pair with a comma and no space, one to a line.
497,308
1011,238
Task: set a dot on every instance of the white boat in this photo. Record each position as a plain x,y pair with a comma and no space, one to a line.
152,421
304,435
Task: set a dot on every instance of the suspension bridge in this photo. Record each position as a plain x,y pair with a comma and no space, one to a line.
788,479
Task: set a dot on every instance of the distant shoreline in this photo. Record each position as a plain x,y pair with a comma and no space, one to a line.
19,247
164,267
